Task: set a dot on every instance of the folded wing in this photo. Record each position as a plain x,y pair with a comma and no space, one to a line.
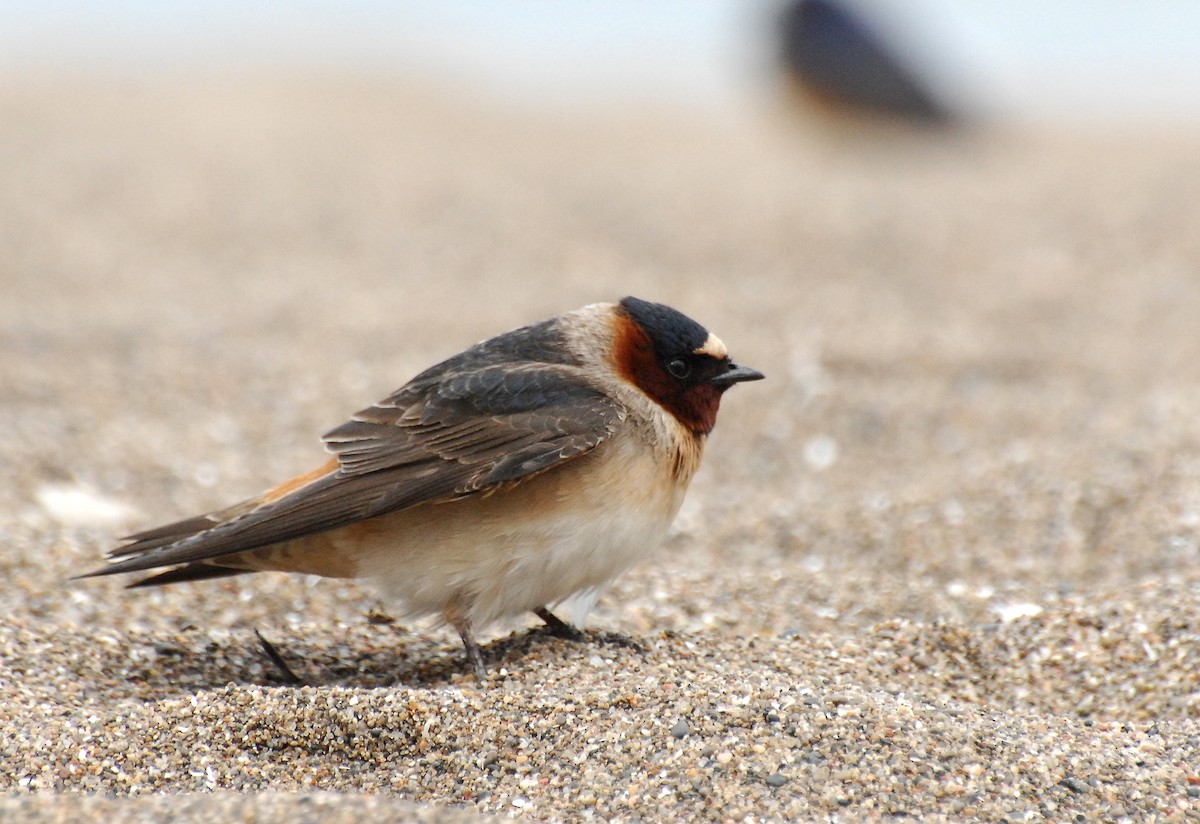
451,432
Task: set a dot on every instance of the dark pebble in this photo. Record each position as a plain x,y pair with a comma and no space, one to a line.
1074,784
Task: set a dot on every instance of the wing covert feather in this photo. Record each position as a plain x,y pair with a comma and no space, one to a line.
479,419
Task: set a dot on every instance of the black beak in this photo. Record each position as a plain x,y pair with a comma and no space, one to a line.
736,374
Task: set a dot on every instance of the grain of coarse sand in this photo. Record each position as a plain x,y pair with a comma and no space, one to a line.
942,564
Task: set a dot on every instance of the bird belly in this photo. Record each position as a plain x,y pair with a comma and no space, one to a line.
484,558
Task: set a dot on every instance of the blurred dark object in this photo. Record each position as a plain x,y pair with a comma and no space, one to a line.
834,58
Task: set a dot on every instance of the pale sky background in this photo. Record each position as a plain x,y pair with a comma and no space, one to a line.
1108,60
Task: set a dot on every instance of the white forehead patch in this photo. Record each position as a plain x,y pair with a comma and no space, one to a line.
713,347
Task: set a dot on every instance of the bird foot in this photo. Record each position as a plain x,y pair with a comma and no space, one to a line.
561,629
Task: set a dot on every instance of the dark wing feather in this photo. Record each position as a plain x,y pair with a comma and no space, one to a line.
478,418
190,572
450,433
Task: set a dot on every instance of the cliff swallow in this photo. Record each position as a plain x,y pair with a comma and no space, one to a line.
533,466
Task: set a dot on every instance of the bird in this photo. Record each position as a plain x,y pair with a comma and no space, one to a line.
837,59
534,466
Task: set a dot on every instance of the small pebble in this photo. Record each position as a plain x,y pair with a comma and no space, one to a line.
1074,784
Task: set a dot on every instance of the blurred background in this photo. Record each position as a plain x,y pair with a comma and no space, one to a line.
1099,60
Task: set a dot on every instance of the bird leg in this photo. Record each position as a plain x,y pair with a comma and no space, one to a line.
474,653
557,626
561,629
456,616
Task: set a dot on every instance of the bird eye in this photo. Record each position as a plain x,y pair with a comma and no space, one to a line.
679,368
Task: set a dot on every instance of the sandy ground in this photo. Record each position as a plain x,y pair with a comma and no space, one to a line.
943,563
